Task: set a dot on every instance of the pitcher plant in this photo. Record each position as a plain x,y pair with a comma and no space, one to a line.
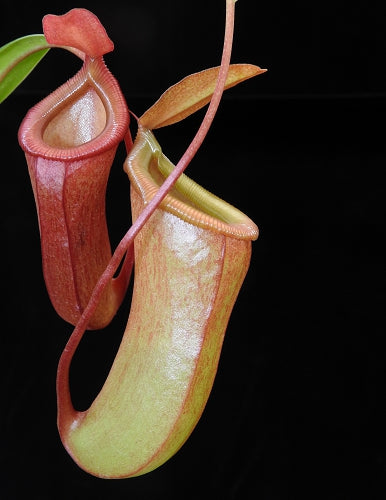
190,249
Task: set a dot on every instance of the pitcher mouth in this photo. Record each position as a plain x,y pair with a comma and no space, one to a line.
89,111
147,168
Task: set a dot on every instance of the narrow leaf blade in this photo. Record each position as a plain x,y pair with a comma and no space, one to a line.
17,59
191,94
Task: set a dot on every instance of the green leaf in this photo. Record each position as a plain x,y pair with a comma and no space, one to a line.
17,59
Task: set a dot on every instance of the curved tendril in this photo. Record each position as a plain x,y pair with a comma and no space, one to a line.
66,411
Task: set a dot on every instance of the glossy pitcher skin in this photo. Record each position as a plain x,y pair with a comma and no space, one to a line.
189,267
70,140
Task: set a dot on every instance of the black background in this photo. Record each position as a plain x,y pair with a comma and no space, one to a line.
298,405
